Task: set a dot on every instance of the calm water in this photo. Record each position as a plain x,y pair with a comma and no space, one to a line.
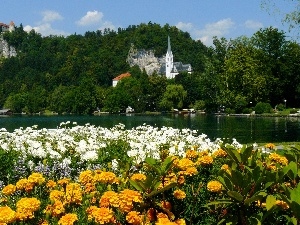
244,129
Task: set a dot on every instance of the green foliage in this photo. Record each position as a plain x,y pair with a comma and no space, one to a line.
263,107
232,73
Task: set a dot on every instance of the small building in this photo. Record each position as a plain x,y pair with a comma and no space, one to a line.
120,77
5,112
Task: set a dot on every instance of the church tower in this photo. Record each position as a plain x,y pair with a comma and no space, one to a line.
169,60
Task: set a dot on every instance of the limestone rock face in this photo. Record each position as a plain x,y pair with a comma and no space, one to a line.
144,59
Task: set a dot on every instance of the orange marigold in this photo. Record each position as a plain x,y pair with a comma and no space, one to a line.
191,154
282,204
36,178
21,184
109,198
56,209
138,177
26,208
220,153
205,160
86,177
51,184
278,159
106,177
191,171
9,189
214,186
7,215
185,163
270,146
179,194
73,193
134,218
101,215
68,219
63,182
56,195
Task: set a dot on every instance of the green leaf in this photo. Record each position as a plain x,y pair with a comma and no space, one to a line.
220,202
270,202
257,196
246,153
291,169
156,192
167,164
234,155
136,185
235,195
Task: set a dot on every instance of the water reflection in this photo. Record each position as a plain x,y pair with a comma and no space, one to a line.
244,129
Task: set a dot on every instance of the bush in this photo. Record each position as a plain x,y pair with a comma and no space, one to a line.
263,107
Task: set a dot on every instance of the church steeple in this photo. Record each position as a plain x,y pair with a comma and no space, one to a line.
169,46
169,60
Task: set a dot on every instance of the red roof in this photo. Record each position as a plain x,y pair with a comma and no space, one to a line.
121,76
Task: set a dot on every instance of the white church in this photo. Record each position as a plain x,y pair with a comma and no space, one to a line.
170,68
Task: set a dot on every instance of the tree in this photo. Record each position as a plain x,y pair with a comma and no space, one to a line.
173,97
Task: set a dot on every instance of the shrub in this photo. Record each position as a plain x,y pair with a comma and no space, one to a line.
263,107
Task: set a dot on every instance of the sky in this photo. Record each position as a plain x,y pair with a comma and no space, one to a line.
203,19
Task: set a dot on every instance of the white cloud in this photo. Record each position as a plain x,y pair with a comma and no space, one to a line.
45,29
219,29
50,16
91,17
251,24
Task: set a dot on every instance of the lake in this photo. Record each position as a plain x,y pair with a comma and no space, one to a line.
244,129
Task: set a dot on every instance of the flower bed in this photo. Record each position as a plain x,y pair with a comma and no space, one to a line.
146,175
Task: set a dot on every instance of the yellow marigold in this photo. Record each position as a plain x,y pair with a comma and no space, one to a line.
180,222
270,146
109,198
86,176
51,184
180,179
63,182
214,186
278,158
102,215
21,184
56,195
29,187
9,189
7,215
106,177
226,168
203,153
89,187
191,171
26,208
134,218
185,163
220,153
282,204
68,219
36,178
272,166
205,160
179,194
73,193
164,221
191,154
138,177
56,209
126,199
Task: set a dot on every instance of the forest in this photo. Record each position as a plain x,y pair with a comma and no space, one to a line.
73,74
